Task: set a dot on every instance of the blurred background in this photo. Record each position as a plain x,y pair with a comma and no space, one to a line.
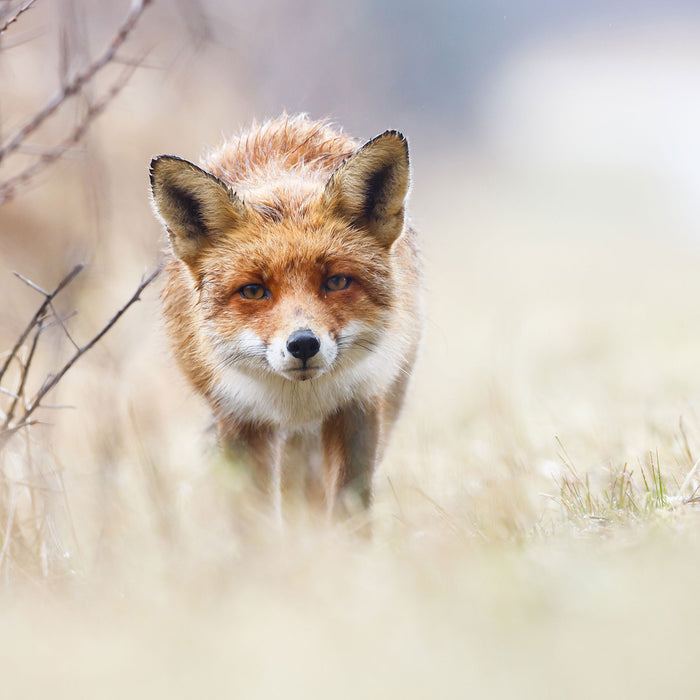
556,171
589,106
573,119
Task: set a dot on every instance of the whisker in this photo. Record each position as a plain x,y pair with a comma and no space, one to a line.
369,348
364,343
347,343
255,358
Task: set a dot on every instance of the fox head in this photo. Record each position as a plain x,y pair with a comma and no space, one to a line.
294,270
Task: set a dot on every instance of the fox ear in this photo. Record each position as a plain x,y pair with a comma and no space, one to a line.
369,188
194,205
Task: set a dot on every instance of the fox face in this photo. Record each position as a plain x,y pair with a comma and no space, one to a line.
298,301
293,272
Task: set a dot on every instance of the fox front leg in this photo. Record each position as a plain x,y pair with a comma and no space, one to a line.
259,451
350,453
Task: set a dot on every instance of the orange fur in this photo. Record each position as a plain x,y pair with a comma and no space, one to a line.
292,293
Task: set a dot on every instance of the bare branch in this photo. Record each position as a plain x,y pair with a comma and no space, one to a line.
23,375
5,435
40,313
10,424
61,321
8,189
75,85
56,378
29,283
58,406
17,15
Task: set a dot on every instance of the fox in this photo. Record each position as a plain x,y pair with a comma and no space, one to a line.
293,299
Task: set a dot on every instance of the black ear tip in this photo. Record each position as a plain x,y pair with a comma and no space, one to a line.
152,172
155,162
397,134
152,167
394,135
159,159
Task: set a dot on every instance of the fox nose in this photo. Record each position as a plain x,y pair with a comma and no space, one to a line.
303,344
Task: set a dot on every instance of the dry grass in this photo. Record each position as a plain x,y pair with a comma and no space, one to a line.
535,523
533,527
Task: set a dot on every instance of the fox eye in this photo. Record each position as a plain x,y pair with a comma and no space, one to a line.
336,283
254,291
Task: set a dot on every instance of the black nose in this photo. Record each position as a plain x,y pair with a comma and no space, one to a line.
303,344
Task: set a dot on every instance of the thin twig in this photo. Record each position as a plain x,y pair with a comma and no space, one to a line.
17,15
58,406
24,374
37,151
21,40
75,85
31,284
40,313
686,482
8,189
56,378
61,321
5,435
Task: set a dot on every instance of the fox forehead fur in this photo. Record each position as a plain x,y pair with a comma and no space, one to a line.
292,280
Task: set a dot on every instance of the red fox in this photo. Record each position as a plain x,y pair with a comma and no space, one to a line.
292,296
